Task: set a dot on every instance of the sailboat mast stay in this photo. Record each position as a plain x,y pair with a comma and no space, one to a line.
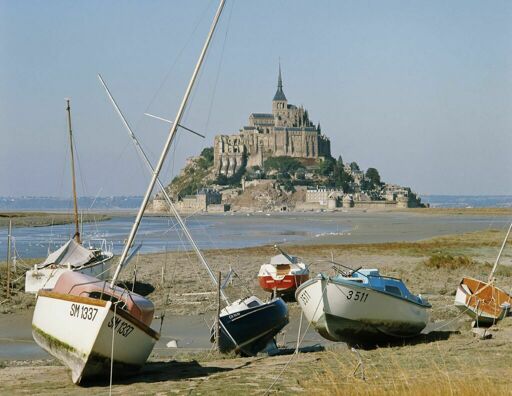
166,195
75,204
491,275
167,145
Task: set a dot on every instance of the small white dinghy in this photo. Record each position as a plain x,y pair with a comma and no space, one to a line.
362,307
80,319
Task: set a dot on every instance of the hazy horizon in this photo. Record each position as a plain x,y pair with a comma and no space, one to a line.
419,90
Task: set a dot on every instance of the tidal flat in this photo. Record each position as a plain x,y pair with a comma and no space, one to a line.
447,360
45,219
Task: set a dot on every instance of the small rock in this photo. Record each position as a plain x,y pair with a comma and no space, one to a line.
172,344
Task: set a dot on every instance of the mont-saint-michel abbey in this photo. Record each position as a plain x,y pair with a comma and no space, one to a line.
287,131
235,173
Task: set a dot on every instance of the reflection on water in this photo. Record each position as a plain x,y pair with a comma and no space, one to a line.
159,233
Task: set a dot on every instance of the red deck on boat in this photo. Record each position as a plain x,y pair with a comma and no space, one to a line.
78,284
288,283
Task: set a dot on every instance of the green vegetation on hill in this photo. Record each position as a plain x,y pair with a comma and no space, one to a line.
288,171
283,164
194,176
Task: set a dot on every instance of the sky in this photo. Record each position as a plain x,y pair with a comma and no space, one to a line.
420,90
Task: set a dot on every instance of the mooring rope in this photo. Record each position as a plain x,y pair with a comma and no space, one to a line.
301,340
112,350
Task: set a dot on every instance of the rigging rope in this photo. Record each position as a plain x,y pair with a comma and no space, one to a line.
301,340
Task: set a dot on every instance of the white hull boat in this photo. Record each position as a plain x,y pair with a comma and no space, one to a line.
100,324
363,307
72,256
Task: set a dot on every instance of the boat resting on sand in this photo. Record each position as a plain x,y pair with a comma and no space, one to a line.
81,317
248,325
362,307
72,256
483,301
282,275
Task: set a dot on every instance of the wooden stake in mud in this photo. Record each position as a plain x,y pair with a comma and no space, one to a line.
9,260
217,324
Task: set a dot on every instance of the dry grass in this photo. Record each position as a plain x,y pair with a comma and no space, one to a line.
18,299
447,261
421,370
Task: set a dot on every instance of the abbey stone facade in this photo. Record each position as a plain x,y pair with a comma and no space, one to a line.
287,131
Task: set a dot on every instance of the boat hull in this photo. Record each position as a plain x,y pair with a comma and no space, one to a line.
46,278
283,285
252,329
358,314
79,331
484,302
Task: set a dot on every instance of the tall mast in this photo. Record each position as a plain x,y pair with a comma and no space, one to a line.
167,145
77,229
166,195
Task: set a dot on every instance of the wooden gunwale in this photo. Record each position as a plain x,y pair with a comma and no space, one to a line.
488,302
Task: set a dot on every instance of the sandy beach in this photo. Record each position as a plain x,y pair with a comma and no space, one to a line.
448,359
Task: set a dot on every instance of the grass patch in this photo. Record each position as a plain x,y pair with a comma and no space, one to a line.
447,261
392,372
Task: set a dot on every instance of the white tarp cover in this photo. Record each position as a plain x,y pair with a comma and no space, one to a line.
282,259
71,253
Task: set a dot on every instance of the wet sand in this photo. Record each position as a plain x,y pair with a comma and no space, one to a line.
179,287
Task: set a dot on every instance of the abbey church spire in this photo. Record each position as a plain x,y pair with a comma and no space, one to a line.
279,93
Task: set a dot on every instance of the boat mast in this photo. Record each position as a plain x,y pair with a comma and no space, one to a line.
491,275
166,195
167,145
77,229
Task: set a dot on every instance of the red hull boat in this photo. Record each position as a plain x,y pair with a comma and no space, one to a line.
283,274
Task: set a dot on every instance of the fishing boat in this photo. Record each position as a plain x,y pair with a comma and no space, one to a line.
96,328
72,256
362,307
283,274
484,301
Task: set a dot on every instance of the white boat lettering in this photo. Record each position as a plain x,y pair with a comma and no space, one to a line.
357,296
121,326
83,312
234,315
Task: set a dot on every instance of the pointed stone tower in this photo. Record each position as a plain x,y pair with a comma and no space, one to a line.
280,103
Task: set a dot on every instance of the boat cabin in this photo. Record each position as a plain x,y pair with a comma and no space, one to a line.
242,305
81,285
373,279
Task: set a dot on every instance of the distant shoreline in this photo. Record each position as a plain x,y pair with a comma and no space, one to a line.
38,218
45,219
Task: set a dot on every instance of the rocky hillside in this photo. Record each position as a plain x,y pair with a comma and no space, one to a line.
197,173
